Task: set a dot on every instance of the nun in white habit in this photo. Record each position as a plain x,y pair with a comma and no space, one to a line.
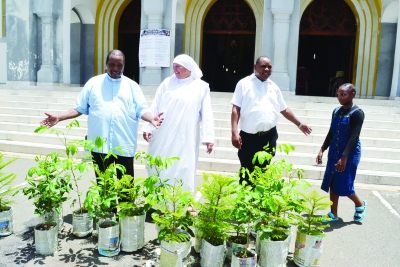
185,101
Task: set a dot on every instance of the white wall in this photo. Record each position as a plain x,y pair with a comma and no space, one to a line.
3,50
3,63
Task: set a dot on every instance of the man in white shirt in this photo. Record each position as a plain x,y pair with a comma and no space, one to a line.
257,102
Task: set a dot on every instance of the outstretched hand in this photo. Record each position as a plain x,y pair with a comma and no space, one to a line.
305,129
50,121
157,120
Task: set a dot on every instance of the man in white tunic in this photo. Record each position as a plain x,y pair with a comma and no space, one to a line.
257,102
185,101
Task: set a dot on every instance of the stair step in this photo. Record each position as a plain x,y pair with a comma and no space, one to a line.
22,110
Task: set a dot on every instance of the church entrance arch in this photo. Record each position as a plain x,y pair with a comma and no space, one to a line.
228,44
326,48
128,38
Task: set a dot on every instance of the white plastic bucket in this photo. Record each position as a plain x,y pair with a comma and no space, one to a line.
174,254
82,224
6,223
273,253
212,256
308,250
244,262
46,241
108,240
132,233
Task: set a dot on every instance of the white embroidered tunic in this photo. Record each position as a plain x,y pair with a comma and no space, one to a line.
185,103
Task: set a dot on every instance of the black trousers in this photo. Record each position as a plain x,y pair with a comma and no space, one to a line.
251,144
127,162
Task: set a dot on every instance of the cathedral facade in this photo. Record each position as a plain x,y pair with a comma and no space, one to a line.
315,45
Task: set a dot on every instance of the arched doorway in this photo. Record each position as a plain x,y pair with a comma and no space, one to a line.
326,48
128,38
81,45
228,44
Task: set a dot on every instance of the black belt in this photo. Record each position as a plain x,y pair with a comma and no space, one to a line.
265,132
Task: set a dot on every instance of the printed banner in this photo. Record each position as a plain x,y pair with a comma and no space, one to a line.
154,48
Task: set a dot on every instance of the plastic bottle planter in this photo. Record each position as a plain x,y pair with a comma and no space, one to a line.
233,247
308,250
108,239
55,217
132,233
249,261
273,253
82,224
175,254
197,241
109,216
46,241
6,223
212,256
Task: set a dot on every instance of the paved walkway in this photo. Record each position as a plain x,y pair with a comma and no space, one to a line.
374,242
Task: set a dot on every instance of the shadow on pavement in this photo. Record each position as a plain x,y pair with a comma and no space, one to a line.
339,224
84,256
27,253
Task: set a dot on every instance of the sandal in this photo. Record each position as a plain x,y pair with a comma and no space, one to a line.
360,212
332,218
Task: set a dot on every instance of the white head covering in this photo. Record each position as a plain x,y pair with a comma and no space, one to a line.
188,62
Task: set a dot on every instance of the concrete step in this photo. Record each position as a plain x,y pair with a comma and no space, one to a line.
22,110
312,172
287,132
372,128
58,106
225,153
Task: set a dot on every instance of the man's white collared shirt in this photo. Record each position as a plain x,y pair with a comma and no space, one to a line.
260,104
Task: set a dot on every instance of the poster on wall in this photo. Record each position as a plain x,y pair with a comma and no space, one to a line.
154,48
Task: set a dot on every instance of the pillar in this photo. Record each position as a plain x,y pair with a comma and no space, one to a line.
281,11
48,72
154,9
395,90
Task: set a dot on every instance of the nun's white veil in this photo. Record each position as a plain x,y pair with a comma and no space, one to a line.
188,62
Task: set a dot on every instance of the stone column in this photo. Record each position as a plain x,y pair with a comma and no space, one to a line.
154,9
395,89
48,72
281,11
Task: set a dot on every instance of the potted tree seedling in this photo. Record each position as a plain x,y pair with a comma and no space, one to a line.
158,164
310,226
174,221
275,195
7,189
74,166
213,221
242,217
132,193
171,216
48,188
101,202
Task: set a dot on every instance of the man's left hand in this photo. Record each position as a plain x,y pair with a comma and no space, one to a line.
157,120
305,129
